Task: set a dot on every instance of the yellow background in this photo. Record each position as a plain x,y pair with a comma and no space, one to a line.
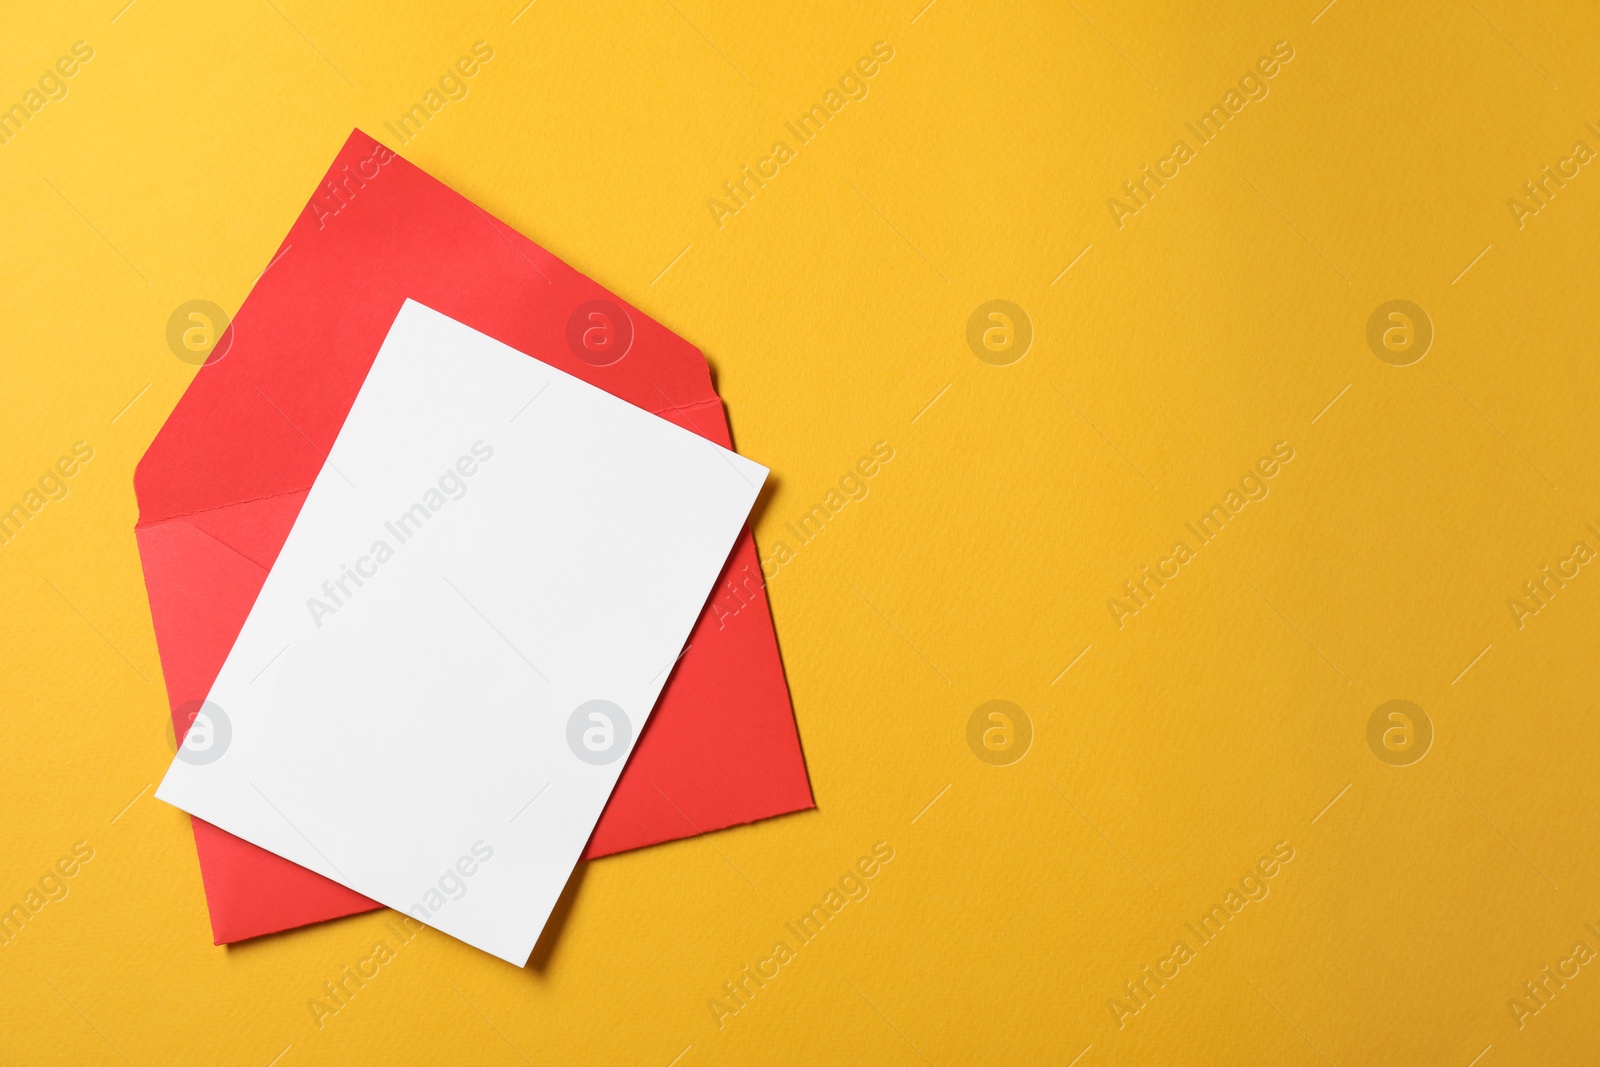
1222,318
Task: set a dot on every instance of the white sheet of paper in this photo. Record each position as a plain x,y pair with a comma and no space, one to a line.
469,624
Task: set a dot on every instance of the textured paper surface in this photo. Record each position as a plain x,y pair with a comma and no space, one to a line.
1185,344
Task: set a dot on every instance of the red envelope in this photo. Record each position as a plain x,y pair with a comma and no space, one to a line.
223,481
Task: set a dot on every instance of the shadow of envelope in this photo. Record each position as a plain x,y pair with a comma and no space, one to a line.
224,479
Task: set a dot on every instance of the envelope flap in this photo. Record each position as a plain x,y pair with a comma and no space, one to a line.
259,418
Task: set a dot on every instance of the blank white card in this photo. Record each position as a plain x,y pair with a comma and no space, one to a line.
466,630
